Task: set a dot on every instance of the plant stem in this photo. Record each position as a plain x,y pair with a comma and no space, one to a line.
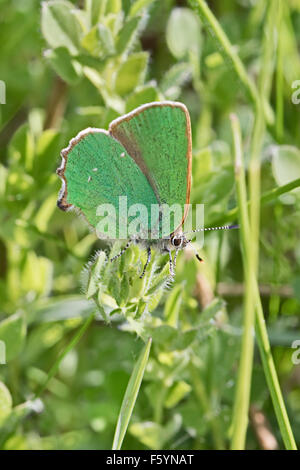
279,78
262,114
271,376
242,397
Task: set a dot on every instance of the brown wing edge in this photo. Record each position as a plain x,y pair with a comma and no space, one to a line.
174,104
62,196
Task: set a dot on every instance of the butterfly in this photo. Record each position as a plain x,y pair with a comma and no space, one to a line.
144,157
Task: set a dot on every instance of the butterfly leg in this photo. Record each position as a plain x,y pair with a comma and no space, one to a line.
175,258
147,262
122,251
171,263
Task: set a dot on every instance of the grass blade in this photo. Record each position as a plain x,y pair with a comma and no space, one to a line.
243,388
130,396
279,78
271,376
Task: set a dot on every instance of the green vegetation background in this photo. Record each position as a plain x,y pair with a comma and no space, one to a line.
68,66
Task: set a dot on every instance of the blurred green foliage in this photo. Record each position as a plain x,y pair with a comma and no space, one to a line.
71,65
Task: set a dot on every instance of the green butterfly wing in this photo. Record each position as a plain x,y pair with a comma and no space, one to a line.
158,137
96,170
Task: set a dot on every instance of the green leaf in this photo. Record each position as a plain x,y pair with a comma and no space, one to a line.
95,10
99,41
158,280
131,396
209,313
76,338
154,435
3,178
5,402
220,186
19,189
183,32
112,100
139,5
286,168
12,333
59,26
131,73
21,148
37,274
94,275
164,334
45,212
177,392
113,6
202,163
174,79
63,64
128,35
185,339
63,308
172,306
188,410
48,145
142,95
115,21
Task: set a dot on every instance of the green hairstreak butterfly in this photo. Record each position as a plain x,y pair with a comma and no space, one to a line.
144,157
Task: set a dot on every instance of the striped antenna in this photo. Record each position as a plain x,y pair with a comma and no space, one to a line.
207,229
223,227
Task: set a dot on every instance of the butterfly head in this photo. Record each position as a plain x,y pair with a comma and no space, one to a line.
178,241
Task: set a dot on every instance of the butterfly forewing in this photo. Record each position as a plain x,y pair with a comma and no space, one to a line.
97,170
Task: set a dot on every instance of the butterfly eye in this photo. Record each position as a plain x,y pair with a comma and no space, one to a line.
177,242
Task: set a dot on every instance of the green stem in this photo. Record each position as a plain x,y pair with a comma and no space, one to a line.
159,405
271,375
279,78
68,348
254,183
243,388
261,116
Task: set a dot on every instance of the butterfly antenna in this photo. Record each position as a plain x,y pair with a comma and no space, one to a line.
189,242
208,229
